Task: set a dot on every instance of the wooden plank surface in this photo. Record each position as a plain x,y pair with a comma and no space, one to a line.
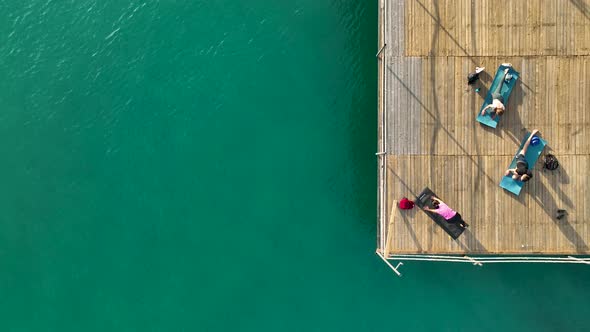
499,221
551,96
395,29
433,139
403,89
496,27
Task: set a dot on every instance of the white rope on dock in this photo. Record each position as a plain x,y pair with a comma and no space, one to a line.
382,154
492,259
389,264
397,256
473,261
585,261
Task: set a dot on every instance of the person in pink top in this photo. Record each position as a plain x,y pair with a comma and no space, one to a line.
450,215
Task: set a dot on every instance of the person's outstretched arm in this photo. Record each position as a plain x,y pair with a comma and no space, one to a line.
528,142
483,111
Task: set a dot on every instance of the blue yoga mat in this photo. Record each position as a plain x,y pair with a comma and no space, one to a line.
532,155
486,119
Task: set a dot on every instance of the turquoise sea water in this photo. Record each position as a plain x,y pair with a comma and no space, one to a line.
209,166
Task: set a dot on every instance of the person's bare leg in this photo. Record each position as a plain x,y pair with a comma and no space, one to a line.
497,92
528,142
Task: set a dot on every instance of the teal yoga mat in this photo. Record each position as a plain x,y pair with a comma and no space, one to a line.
486,119
532,155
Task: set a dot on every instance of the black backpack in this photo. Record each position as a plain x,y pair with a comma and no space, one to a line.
472,78
551,162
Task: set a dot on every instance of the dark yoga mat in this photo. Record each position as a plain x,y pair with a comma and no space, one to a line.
424,199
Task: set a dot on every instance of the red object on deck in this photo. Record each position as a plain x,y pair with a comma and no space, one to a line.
406,204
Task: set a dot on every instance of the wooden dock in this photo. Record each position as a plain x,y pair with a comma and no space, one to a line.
428,135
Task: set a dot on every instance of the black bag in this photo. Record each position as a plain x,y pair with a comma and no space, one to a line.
551,162
472,78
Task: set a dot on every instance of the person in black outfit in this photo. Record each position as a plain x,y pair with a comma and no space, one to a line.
522,171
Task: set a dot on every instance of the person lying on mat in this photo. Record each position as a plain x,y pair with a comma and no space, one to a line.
497,104
451,216
522,171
